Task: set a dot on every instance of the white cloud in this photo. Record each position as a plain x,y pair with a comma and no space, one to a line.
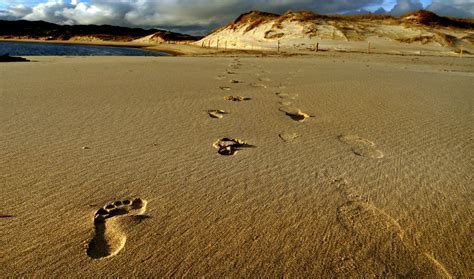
170,12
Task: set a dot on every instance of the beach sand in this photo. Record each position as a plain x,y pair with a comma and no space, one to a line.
338,165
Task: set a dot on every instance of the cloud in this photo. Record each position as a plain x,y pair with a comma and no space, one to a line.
195,16
405,6
15,12
458,8
169,13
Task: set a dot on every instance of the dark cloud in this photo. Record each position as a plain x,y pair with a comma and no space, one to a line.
15,12
195,16
457,8
405,6
182,14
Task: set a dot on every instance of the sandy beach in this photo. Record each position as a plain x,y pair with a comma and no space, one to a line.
331,165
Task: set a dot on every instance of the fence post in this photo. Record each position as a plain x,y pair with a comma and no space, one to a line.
462,50
278,48
368,48
217,46
317,47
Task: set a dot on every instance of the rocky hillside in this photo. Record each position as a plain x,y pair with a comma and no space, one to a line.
261,30
41,30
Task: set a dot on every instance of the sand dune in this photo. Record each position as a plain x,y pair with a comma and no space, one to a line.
303,30
141,167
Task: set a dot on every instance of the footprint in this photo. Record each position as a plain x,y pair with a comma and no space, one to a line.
235,81
220,77
295,114
5,216
228,146
382,238
226,88
288,137
216,113
231,72
285,103
236,98
258,85
108,240
365,218
361,146
287,96
264,79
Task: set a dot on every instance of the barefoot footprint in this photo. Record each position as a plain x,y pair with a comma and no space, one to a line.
236,98
295,114
388,244
288,136
229,146
258,85
286,96
216,113
108,240
361,146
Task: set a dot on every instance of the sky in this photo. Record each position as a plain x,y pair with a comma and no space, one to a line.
200,16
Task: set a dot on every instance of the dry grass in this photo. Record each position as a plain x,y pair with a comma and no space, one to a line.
431,19
253,19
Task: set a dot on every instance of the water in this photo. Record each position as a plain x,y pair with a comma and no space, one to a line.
44,49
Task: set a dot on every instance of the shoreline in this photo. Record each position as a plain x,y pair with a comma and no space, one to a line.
172,49
192,50
86,43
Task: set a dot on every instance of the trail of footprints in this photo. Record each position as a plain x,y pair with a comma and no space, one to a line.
359,146
387,244
229,146
357,216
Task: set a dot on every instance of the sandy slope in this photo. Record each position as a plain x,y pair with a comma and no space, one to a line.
378,181
305,31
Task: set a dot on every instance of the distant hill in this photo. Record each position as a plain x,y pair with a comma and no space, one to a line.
23,29
300,29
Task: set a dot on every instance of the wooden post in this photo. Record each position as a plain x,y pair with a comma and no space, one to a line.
209,44
202,45
217,46
278,48
317,47
368,48
462,50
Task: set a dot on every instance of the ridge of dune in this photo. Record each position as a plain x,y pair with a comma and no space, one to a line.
166,36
